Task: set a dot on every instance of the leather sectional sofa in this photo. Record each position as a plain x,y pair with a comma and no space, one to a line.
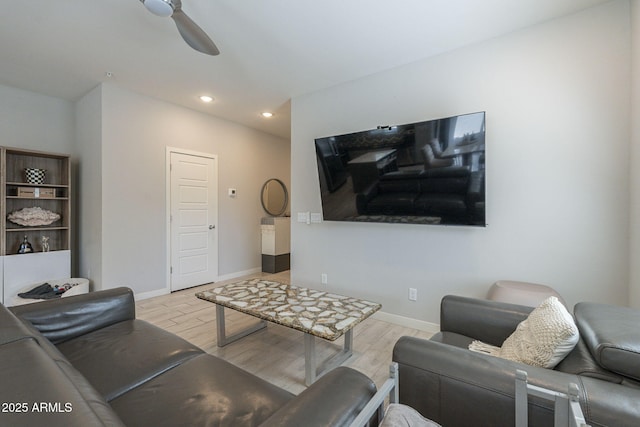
87,361
454,386
451,193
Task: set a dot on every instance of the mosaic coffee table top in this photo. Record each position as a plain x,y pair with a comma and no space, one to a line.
323,314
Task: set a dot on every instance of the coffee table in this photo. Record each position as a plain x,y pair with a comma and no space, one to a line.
316,313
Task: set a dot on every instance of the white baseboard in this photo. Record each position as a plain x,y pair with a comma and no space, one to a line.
407,322
165,291
151,294
239,274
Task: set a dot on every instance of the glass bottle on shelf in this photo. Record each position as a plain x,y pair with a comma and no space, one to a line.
25,246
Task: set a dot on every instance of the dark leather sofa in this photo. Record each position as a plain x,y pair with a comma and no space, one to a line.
451,193
457,387
87,361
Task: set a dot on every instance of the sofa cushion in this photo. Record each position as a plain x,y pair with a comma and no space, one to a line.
48,393
488,321
611,334
122,356
581,362
46,345
203,391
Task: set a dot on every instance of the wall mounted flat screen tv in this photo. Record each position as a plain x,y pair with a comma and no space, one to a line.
431,172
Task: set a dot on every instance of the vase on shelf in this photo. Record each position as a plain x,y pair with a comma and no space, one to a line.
34,175
25,246
45,243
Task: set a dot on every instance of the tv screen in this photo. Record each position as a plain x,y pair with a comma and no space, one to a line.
431,172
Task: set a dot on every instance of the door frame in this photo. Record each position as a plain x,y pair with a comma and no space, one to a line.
167,197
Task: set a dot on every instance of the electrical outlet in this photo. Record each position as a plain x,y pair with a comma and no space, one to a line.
413,294
323,278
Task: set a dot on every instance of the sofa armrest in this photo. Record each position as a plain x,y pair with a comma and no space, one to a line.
484,320
455,386
66,318
335,399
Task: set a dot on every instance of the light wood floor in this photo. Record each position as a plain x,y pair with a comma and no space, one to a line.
276,353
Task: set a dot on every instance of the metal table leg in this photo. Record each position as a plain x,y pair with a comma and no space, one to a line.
223,339
311,369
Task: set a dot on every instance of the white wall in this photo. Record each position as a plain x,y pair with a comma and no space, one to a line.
634,247
88,186
557,102
118,171
135,133
36,122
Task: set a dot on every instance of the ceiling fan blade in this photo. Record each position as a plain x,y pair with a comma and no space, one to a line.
193,34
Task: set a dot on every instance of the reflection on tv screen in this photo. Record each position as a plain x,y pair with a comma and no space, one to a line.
430,172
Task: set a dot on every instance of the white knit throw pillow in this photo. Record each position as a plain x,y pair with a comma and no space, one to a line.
543,339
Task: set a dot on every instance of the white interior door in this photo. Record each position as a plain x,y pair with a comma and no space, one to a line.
193,218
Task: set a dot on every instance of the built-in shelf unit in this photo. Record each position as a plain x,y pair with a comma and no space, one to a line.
53,194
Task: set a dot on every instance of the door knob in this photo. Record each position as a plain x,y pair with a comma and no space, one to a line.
211,227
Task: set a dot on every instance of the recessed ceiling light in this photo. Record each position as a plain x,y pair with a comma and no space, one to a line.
267,114
205,98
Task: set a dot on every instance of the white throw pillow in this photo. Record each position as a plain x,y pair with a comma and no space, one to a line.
543,339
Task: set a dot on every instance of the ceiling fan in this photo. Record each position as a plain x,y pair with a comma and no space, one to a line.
189,30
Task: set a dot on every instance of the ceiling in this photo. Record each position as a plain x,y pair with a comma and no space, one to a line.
271,50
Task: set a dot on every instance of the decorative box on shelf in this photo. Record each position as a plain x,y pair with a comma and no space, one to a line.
36,193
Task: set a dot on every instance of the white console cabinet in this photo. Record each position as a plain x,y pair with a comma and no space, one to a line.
20,271
276,244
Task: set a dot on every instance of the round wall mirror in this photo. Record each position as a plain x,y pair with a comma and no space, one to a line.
274,197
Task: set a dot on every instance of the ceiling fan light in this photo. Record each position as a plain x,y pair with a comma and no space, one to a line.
162,8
